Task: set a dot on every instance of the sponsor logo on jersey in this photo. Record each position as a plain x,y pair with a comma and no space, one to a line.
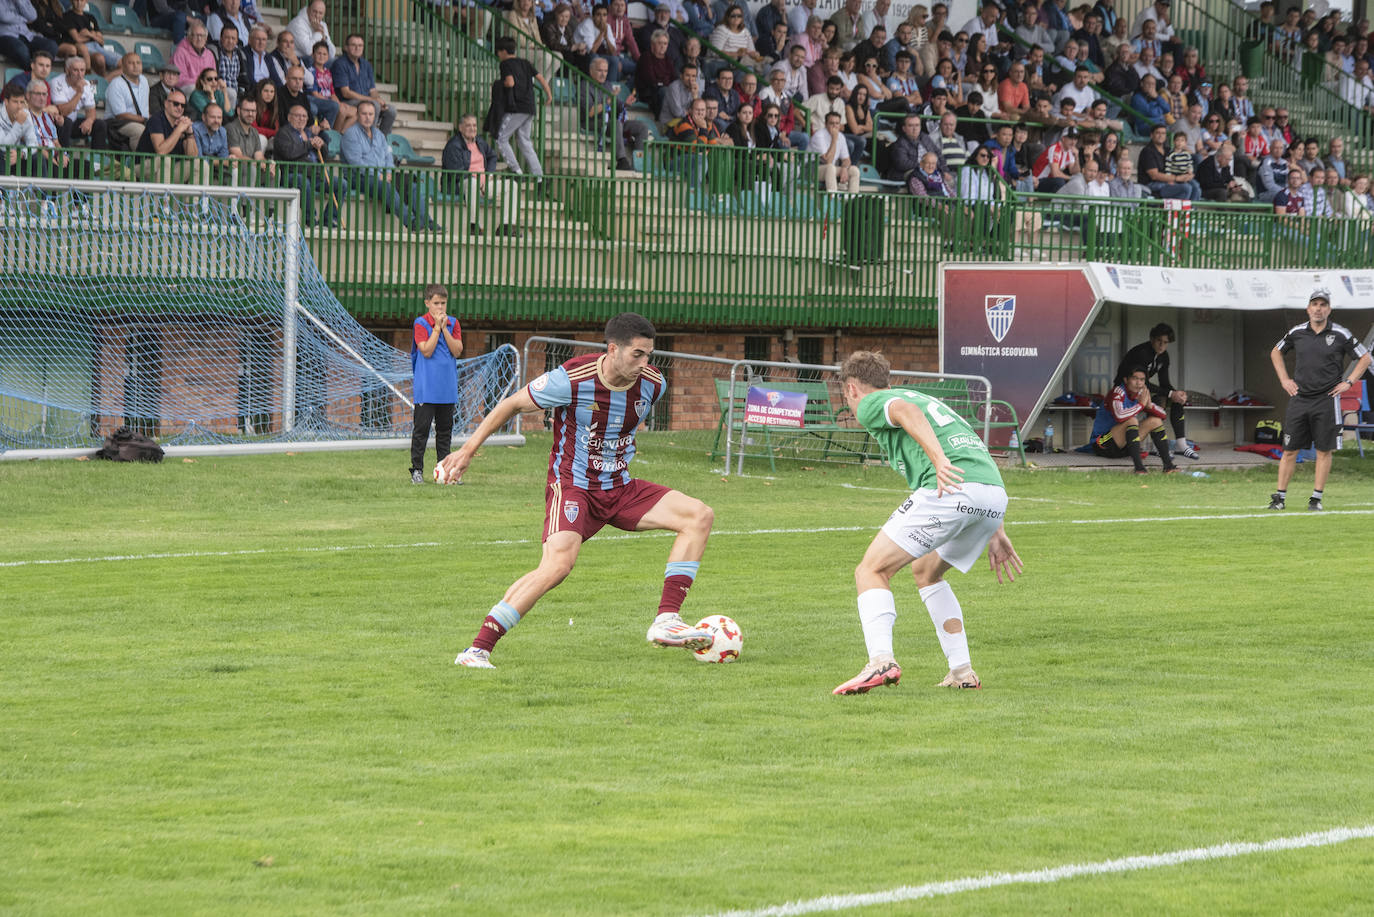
966,440
1000,311
570,511
539,384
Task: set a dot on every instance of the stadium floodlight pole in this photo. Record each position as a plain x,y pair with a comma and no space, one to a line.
346,348
290,287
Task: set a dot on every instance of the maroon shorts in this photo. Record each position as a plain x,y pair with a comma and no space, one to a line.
572,509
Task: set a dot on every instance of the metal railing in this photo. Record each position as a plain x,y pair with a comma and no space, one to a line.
1228,41
711,235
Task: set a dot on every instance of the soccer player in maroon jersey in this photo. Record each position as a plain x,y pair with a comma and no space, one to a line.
598,401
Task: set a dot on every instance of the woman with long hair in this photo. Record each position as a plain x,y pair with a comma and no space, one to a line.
858,118
1109,153
269,108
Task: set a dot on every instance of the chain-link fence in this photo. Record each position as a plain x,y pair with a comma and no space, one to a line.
753,414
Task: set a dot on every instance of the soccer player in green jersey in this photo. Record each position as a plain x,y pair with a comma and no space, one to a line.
956,508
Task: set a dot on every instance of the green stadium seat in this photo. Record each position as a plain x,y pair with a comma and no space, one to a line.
405,154
333,144
123,19
102,86
114,47
150,54
11,73
98,16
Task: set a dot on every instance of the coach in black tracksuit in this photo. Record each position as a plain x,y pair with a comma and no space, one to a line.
1321,349
1153,355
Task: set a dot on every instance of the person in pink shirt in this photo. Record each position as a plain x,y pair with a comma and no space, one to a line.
192,56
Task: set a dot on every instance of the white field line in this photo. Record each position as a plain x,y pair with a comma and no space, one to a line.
329,549
831,903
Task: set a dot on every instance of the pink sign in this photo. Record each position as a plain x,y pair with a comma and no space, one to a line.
775,408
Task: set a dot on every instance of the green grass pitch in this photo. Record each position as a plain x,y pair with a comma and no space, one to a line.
256,710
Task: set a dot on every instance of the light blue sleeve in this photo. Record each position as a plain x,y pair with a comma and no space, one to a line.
354,147
552,390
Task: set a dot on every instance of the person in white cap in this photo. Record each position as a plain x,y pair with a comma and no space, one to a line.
1321,374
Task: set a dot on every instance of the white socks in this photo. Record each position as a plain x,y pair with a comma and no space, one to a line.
948,618
877,614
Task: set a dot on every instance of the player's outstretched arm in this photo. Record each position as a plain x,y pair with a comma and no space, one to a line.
1002,557
948,476
457,462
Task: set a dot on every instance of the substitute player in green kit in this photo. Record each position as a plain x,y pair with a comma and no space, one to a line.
956,508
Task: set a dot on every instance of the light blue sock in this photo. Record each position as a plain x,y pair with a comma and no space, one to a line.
687,568
505,615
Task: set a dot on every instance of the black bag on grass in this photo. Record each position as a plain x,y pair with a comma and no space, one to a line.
126,445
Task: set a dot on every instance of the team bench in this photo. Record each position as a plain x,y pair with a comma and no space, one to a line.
821,420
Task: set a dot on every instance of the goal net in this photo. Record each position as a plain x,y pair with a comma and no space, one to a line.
195,315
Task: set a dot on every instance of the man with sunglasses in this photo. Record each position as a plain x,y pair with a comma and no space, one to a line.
168,132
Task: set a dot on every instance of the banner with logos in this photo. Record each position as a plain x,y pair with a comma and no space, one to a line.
1017,325
1250,291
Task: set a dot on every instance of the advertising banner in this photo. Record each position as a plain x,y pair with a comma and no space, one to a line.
1250,291
1018,326
774,408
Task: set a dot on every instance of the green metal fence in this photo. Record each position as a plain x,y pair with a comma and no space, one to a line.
711,235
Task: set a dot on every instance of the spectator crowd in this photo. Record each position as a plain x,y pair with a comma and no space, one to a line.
1031,95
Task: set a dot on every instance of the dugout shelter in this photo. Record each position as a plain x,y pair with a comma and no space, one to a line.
1038,331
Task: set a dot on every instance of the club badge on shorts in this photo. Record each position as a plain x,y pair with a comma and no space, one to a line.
570,511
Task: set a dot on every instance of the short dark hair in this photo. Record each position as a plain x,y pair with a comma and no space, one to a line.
435,289
625,327
867,367
834,81
12,91
505,44
39,53
1162,330
1132,370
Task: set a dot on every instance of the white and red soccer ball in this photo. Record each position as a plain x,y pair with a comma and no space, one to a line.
441,476
727,642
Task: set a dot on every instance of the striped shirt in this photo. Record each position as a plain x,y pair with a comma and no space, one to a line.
594,423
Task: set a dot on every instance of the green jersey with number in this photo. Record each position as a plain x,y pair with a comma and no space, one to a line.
962,445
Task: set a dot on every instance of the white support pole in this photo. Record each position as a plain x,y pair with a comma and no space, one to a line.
290,289
344,346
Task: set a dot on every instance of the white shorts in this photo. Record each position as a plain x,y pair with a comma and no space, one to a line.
957,525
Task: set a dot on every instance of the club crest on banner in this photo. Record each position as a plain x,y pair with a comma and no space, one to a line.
570,511
1000,311
1349,286
1116,278
774,397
